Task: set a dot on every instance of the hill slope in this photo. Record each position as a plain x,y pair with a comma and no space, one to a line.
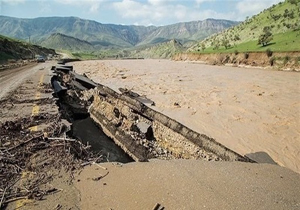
63,42
108,35
162,50
14,49
189,31
281,19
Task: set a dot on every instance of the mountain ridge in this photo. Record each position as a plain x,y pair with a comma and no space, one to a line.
108,35
61,41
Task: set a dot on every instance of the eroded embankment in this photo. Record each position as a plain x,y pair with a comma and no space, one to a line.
277,60
129,120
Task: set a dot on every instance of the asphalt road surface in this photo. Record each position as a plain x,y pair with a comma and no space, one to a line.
10,79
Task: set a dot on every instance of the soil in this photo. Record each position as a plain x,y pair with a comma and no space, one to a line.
287,61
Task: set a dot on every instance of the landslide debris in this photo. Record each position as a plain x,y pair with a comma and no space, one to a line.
31,159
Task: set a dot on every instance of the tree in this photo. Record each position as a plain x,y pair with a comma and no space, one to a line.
293,1
236,37
225,43
216,45
203,46
266,36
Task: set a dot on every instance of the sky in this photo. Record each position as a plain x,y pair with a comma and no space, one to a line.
136,12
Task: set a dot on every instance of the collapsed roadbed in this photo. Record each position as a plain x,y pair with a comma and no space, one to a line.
128,119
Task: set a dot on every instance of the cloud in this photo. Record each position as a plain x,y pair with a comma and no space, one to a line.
158,2
147,12
165,11
44,7
198,2
151,11
92,6
13,2
131,9
205,14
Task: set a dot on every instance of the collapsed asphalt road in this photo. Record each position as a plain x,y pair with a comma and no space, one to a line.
34,134
128,119
34,149
38,161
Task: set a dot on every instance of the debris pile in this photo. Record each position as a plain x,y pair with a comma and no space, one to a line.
28,159
70,87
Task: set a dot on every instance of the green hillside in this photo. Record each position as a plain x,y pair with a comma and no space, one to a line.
16,49
281,20
63,42
162,50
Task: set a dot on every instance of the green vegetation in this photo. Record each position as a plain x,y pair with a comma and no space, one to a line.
5,57
16,49
266,37
282,42
272,61
163,50
63,42
276,28
269,52
84,56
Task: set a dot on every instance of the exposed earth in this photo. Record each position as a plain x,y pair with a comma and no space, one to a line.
242,108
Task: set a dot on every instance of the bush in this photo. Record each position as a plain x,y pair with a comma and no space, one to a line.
236,52
286,59
272,60
246,55
269,52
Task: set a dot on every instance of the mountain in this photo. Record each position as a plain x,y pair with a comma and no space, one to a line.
281,20
15,49
163,50
188,31
60,41
108,35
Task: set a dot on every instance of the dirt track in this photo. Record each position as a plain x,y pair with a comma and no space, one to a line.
10,79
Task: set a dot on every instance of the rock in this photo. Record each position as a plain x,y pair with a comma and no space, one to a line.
116,112
144,129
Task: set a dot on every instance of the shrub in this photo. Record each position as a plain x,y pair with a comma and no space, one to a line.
233,60
269,52
286,59
272,60
236,52
246,55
